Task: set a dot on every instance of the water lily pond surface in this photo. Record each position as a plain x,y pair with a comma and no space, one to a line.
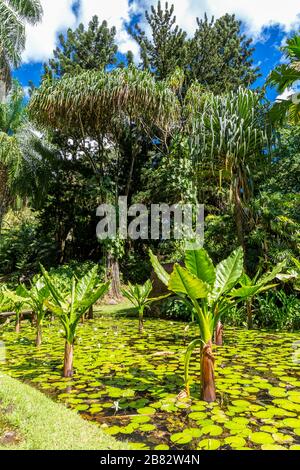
128,383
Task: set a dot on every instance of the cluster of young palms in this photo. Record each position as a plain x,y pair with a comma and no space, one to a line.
68,303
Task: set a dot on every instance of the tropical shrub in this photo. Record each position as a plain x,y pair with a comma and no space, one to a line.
138,295
35,298
18,302
175,309
277,310
210,291
22,249
5,302
69,306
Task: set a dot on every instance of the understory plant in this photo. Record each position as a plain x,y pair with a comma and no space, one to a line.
19,302
138,295
211,292
70,306
35,298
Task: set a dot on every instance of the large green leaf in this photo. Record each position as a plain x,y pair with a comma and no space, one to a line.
161,273
54,290
244,292
228,272
183,282
90,298
199,263
86,284
269,277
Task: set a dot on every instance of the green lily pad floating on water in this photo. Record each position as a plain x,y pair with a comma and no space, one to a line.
146,427
140,419
138,446
295,398
235,441
277,392
209,444
181,438
212,430
241,403
147,410
272,447
261,438
82,407
162,447
282,438
269,429
291,422
197,415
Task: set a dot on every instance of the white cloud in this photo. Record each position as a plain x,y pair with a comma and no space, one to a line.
255,13
117,13
41,39
58,16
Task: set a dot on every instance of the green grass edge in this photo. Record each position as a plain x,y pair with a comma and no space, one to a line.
46,425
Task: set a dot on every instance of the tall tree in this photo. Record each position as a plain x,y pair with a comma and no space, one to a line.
229,139
220,57
167,49
14,14
106,103
93,48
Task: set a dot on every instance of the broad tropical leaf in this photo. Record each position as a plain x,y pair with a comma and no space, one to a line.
199,263
228,273
183,282
161,273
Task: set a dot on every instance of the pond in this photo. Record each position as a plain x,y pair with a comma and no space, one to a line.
128,383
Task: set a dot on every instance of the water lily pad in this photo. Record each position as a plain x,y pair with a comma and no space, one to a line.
261,438
209,444
197,415
82,407
291,422
146,427
235,441
181,438
272,447
282,438
277,392
212,430
147,410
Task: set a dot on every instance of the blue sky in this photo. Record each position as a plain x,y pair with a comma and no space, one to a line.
269,24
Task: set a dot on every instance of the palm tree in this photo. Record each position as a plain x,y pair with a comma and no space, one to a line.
283,78
24,154
14,14
230,135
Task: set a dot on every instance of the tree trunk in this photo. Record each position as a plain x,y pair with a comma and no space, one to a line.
38,340
68,360
239,222
249,314
113,274
141,325
219,334
90,313
207,373
18,324
2,89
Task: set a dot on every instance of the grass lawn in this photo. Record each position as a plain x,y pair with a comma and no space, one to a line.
30,420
